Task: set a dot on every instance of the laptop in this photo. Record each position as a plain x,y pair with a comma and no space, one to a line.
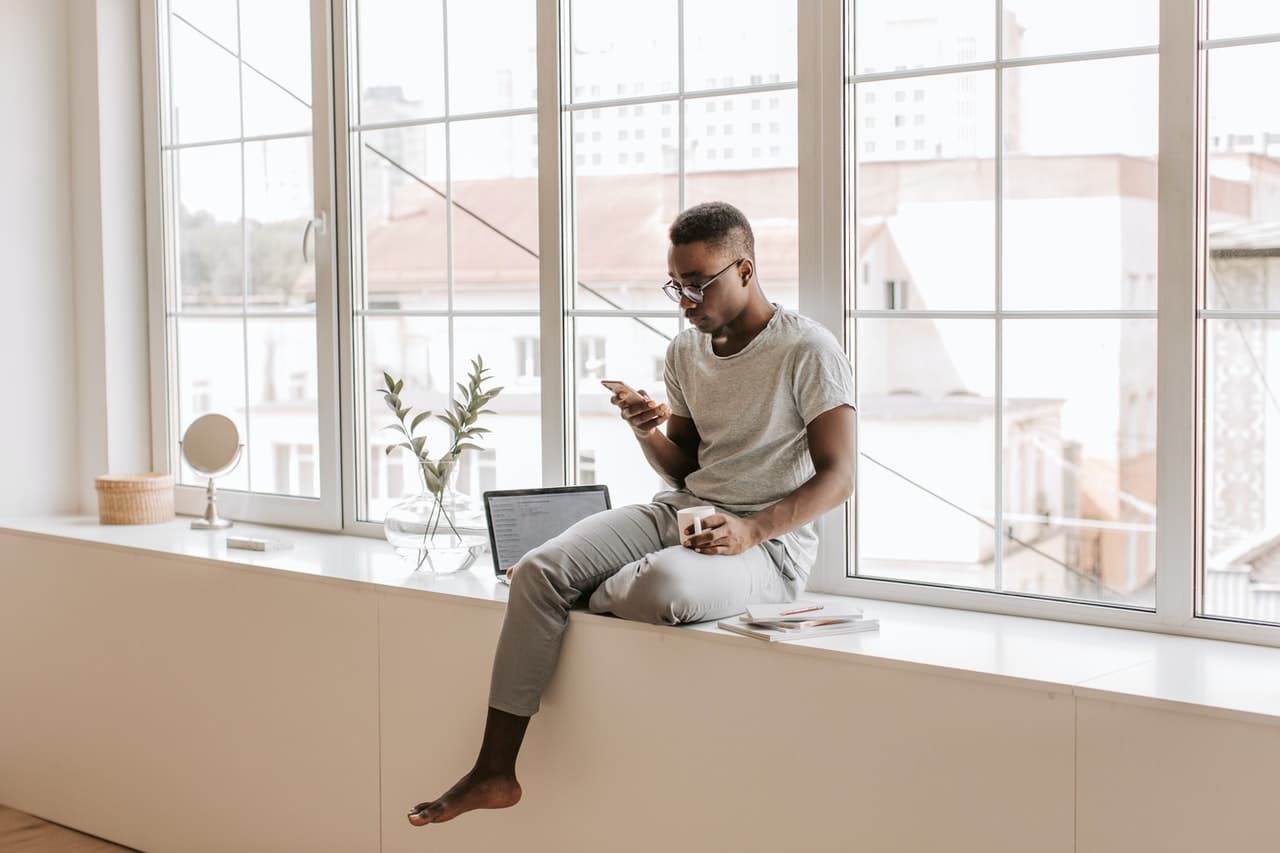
522,519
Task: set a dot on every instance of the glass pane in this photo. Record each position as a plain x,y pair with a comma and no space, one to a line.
926,434
1043,27
1080,185
626,193
277,73
210,378
492,67
926,193
729,43
495,215
895,35
204,85
634,351
513,450
622,49
401,62
1235,18
404,218
1080,459
283,398
1242,467
215,18
278,206
742,150
1244,162
415,350
209,239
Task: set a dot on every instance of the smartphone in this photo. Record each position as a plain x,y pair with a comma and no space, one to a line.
621,388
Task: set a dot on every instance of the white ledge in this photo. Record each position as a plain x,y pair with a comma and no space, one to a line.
1214,677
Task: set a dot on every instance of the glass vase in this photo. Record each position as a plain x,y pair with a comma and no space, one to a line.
437,532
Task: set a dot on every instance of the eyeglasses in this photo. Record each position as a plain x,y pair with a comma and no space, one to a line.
693,292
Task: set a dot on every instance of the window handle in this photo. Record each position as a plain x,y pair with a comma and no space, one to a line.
318,224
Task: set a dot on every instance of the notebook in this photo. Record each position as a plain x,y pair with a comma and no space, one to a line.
522,519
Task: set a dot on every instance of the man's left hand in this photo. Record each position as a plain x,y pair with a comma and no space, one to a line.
724,534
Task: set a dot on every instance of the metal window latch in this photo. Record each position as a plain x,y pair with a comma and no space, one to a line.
317,224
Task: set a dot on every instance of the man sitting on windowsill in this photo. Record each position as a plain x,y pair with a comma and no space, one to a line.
760,424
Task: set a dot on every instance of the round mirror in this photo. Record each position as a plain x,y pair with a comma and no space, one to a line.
211,445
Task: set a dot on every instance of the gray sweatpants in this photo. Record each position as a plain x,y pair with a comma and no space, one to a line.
625,561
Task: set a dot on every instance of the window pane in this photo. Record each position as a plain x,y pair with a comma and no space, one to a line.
748,158
404,218
278,205
623,49
1042,27
632,350
1242,468
209,237
210,378
892,35
495,218
277,72
514,447
401,59
926,435
204,87
1244,170
729,43
1080,184
1079,459
1235,18
415,350
926,193
626,192
283,399
492,67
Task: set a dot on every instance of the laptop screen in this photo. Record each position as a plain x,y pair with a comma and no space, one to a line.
521,520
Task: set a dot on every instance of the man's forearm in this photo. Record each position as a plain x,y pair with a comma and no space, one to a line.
823,491
666,457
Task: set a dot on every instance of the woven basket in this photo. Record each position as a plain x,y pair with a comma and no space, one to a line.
135,498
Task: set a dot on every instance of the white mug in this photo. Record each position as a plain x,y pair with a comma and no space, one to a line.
692,516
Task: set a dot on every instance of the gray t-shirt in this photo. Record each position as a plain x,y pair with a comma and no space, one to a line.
751,409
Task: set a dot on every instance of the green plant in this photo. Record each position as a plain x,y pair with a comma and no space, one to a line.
461,418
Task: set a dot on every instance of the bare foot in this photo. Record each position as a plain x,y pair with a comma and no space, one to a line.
471,792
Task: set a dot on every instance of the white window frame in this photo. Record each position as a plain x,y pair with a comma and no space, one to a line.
323,512
823,216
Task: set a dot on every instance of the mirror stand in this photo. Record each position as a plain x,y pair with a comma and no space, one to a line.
211,519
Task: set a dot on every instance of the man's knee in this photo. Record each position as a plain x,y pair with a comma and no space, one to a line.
662,587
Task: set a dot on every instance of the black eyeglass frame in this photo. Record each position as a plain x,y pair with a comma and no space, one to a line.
694,292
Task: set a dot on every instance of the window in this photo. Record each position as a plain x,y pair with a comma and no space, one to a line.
614,240
444,214
239,291
1000,244
1240,569
991,440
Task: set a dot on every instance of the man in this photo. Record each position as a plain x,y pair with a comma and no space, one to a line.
760,425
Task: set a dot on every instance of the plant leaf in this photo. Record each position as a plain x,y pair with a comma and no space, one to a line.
418,444
399,385
391,447
391,385
417,419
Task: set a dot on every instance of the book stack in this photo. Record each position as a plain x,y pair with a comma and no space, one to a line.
799,620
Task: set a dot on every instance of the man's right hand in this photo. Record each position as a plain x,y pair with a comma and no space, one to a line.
641,413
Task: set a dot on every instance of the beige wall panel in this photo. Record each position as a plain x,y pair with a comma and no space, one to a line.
1151,779
181,705
651,740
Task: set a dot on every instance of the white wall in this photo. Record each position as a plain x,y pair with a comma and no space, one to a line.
39,424
73,381
288,712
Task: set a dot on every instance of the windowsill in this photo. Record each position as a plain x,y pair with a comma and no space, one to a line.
1212,677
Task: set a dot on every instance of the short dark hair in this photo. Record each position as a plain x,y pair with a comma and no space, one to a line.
718,224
